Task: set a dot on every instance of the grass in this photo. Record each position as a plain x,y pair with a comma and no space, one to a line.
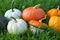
47,34
46,5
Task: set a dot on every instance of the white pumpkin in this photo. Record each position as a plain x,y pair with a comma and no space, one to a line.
15,13
18,26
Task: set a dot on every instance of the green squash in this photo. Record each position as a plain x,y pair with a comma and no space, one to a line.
3,23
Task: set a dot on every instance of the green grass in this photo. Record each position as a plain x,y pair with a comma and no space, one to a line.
46,5
47,34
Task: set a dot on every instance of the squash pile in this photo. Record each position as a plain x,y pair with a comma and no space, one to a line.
16,25
30,15
33,16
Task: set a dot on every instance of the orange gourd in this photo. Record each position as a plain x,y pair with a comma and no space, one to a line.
54,22
36,23
33,13
53,12
35,26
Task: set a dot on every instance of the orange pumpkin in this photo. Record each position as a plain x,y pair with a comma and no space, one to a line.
54,22
53,12
36,23
33,13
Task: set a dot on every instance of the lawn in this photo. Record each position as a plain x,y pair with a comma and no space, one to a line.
46,5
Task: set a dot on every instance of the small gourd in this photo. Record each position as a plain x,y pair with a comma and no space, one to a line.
17,26
12,13
53,12
35,25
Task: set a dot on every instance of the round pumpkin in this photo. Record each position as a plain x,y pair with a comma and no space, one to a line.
33,13
9,14
17,26
35,25
13,12
53,12
54,22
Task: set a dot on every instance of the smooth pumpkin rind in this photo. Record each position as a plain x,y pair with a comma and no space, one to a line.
52,12
36,23
33,14
59,12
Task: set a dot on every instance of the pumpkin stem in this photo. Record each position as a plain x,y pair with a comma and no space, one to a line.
37,6
12,5
42,18
14,19
58,7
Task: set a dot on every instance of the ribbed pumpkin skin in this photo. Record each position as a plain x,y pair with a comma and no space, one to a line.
53,12
17,26
33,14
54,22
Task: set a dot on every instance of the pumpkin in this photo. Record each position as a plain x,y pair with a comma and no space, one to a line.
17,26
35,25
13,12
53,12
33,13
16,14
54,22
3,23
